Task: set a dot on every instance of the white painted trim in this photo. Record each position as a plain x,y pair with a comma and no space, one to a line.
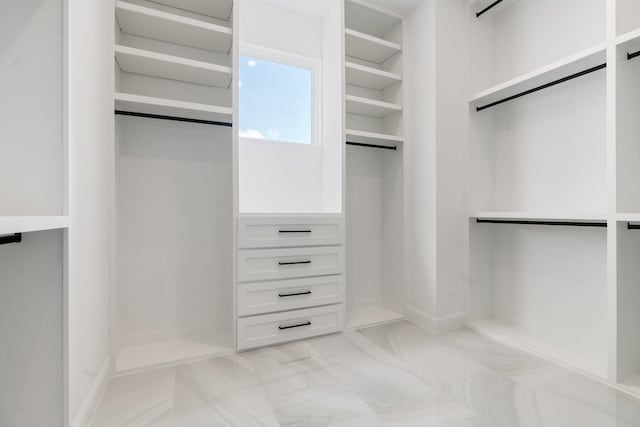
84,416
435,324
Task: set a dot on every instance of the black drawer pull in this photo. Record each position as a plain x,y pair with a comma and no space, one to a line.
294,231
294,262
295,295
282,328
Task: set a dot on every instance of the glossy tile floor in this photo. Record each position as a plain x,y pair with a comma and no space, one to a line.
392,375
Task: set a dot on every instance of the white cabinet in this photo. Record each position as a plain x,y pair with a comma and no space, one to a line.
257,232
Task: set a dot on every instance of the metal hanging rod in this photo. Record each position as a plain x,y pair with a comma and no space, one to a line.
14,238
172,118
630,56
360,144
544,86
486,9
553,223
631,226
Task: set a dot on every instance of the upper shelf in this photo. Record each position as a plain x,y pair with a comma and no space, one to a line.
138,61
158,25
630,40
578,62
168,107
368,77
369,48
27,224
370,107
540,216
220,9
368,19
375,138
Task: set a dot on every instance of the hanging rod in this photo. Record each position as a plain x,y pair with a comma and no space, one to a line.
486,9
630,56
631,226
544,86
360,144
531,222
14,238
172,118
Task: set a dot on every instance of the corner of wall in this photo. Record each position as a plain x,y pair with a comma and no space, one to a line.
90,403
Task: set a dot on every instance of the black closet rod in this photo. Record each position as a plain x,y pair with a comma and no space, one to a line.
544,86
486,9
633,226
172,118
531,222
14,238
630,56
360,144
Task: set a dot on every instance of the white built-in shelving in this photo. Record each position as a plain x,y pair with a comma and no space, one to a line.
170,107
220,9
369,77
370,107
30,224
369,48
372,137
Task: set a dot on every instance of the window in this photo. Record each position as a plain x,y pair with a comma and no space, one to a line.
278,97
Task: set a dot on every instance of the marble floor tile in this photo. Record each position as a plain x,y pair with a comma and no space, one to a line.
394,375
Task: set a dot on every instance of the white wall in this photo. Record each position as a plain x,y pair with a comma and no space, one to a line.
290,178
435,165
90,166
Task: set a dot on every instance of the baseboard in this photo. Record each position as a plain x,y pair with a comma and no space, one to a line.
435,324
91,401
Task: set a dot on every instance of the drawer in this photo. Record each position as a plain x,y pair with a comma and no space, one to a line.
281,232
259,331
276,264
269,297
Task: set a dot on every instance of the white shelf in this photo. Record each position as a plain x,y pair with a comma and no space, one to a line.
588,363
158,25
540,216
28,224
172,352
565,67
220,9
168,107
372,137
368,19
368,77
139,61
370,107
628,217
369,48
629,39
371,316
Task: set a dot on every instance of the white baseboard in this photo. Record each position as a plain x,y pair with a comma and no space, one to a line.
435,324
91,401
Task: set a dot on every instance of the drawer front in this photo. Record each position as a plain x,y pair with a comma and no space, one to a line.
269,297
269,329
276,264
288,232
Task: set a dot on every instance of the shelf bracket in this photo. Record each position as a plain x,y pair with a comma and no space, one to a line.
360,144
172,118
551,223
12,238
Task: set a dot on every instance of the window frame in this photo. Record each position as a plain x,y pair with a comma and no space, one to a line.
298,61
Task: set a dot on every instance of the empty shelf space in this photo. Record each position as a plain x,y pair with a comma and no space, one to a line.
158,25
503,332
538,216
368,77
369,48
220,9
169,107
563,68
27,224
139,61
370,316
375,138
368,19
370,107
173,351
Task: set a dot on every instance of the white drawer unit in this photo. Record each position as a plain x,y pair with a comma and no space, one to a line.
291,263
278,232
269,329
269,297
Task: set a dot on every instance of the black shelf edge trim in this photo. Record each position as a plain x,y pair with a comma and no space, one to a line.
360,144
552,223
172,118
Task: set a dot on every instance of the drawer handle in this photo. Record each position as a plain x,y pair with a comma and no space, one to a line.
300,325
294,262
295,295
294,231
